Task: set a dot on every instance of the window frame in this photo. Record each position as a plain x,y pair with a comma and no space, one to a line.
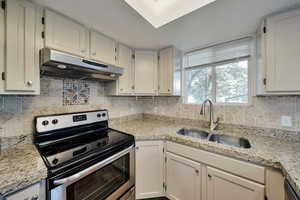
251,78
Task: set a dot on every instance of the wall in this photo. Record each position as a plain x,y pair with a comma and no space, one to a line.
264,112
17,112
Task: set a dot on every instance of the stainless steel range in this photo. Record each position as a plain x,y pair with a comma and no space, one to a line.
86,159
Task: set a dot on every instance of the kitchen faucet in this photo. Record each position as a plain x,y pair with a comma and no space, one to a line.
213,124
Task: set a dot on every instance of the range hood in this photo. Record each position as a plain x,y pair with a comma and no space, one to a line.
59,64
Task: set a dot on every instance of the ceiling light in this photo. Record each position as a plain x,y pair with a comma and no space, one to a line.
161,12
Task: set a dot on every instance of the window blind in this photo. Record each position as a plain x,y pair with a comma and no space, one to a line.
236,49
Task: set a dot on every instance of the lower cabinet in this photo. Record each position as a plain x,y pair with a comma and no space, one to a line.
183,178
185,173
225,186
149,169
36,191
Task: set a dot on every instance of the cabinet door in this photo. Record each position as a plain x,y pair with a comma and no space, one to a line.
102,48
283,52
149,169
146,72
183,178
65,35
2,49
165,71
225,186
125,61
21,54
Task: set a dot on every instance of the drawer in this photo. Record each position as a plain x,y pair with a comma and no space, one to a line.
33,192
234,166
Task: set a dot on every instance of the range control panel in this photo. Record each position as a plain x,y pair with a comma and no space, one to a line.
55,122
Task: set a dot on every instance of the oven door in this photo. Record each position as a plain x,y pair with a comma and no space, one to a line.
108,179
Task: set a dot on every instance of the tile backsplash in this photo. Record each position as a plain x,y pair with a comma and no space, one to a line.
75,92
17,112
264,112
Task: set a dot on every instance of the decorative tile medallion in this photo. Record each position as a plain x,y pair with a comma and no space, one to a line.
75,92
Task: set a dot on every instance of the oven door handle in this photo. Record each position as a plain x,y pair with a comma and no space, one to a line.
92,169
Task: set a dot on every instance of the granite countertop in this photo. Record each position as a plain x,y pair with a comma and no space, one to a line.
265,150
20,166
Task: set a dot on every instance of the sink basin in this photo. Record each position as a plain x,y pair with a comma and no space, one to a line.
193,133
230,140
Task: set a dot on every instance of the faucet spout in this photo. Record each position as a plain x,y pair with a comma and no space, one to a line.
213,124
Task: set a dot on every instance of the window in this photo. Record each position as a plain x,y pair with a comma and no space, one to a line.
219,73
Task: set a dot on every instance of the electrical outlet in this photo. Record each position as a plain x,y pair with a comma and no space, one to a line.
286,121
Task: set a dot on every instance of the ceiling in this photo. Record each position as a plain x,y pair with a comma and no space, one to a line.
161,12
218,21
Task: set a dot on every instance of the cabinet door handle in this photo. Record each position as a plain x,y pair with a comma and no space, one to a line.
209,176
82,51
197,171
35,197
137,148
29,83
94,53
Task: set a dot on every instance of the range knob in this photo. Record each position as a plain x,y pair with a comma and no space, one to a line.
54,161
98,115
103,114
54,121
45,123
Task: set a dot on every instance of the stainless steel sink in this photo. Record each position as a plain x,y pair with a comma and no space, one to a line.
193,133
230,140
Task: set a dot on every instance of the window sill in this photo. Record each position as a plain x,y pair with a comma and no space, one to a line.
225,104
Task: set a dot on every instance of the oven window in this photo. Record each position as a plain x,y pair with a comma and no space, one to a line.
101,183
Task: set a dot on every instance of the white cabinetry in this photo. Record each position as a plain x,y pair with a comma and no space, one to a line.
225,186
64,34
33,192
280,52
124,85
183,178
125,61
20,40
102,48
145,75
149,169
169,75
194,174
233,179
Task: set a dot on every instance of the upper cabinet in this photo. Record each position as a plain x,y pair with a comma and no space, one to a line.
169,72
279,53
145,76
102,48
20,43
125,61
149,73
124,85
66,35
